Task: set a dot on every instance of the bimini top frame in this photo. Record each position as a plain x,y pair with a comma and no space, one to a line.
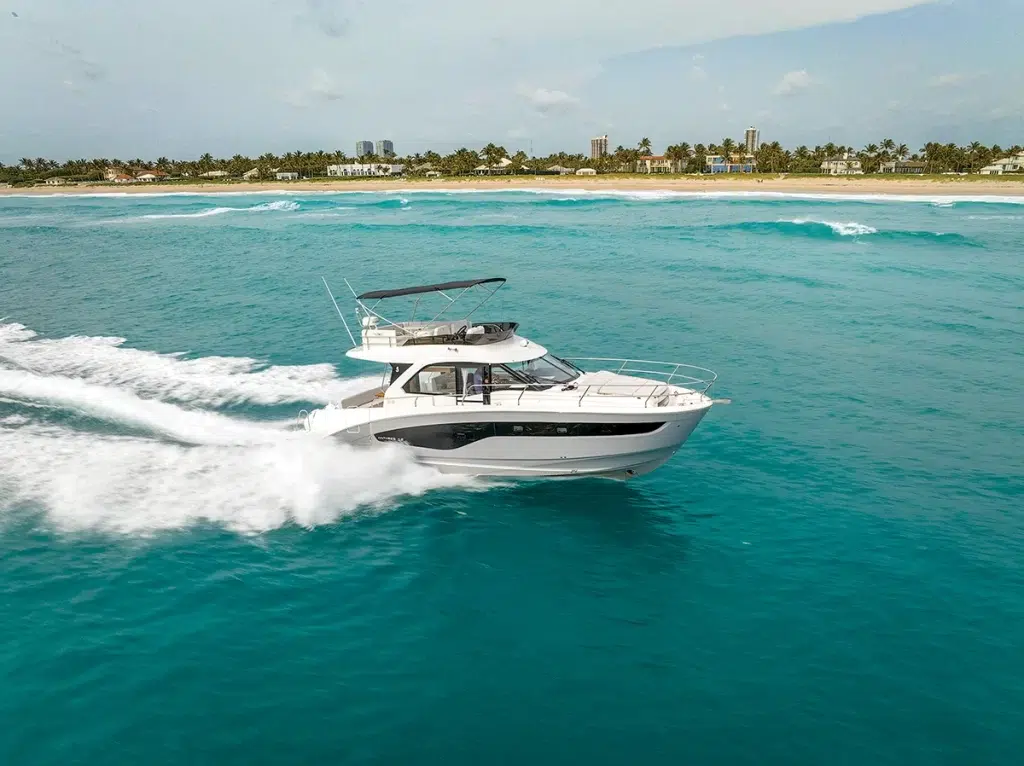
464,284
450,291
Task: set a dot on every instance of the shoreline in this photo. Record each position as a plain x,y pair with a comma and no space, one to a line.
826,185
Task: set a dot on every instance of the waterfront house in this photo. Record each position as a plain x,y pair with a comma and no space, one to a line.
360,169
562,171
502,166
903,167
122,178
286,175
1014,164
586,172
149,176
736,163
847,165
658,164
214,174
251,175
55,181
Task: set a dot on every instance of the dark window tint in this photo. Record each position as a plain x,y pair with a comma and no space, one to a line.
455,435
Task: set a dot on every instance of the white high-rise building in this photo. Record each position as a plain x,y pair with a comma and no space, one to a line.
364,147
598,147
752,140
385,148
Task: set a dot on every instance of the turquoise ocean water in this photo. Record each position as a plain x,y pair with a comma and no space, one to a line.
828,572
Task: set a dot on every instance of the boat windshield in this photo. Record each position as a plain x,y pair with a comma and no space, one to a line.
547,370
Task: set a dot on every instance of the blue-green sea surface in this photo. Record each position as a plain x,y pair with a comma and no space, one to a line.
828,572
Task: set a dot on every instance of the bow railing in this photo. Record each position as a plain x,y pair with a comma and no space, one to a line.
670,373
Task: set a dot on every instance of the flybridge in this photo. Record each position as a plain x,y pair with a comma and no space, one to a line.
378,330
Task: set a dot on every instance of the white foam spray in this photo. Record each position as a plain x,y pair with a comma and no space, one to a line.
118,406
84,481
184,465
207,381
848,229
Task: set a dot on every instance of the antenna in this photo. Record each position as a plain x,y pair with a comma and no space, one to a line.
350,335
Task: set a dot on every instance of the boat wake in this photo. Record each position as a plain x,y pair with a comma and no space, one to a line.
214,381
91,446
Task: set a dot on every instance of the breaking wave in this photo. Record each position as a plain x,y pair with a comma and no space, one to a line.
94,444
826,229
276,206
850,229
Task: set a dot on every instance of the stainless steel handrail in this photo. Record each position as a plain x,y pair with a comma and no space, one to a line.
706,379
673,375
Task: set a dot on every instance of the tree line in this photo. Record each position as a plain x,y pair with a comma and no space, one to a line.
770,158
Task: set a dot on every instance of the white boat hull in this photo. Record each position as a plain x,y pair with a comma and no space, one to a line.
613,456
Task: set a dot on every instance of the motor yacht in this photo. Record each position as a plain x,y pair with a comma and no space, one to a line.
475,397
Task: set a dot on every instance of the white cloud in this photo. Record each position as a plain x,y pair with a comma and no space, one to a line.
445,41
793,82
626,26
548,101
324,87
325,17
321,88
951,80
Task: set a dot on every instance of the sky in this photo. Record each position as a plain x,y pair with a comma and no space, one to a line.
123,78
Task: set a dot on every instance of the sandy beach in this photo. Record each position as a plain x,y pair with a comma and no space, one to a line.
929,186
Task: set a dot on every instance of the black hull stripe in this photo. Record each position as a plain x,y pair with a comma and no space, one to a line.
454,435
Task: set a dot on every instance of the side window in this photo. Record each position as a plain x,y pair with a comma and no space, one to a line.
475,379
436,380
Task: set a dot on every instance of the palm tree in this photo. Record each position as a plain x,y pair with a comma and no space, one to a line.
976,148
644,146
728,147
902,151
493,154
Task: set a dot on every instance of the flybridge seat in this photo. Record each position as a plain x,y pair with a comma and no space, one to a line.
458,332
380,331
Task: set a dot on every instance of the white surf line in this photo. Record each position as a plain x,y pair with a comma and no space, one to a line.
639,194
